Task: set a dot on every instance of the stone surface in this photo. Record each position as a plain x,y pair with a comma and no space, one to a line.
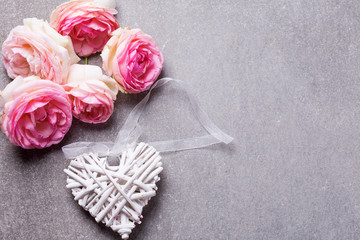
281,76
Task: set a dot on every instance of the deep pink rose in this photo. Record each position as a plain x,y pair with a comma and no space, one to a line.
89,23
36,113
133,59
37,49
92,94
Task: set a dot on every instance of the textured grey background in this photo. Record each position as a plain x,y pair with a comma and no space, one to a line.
281,76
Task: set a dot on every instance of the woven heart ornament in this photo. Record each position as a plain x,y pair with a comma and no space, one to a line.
116,195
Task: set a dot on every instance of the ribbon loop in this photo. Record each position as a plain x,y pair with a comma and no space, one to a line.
131,131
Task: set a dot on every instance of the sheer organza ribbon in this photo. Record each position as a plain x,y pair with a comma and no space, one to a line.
131,131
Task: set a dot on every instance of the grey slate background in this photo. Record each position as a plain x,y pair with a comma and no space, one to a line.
281,76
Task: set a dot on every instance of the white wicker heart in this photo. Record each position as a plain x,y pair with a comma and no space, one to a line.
116,195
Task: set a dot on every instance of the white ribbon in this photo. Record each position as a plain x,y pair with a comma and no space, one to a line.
131,131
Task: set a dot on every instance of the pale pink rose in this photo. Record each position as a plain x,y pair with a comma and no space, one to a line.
37,49
89,23
133,59
92,94
36,113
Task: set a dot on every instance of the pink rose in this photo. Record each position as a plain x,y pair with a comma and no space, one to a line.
37,49
36,113
92,94
133,59
89,23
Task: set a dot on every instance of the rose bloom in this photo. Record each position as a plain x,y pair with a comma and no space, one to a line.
133,59
92,94
36,113
88,23
37,49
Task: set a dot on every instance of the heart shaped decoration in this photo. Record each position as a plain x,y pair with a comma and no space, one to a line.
116,195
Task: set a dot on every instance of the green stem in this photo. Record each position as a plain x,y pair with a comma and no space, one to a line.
86,61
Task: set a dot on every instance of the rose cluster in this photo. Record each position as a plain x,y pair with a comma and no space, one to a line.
50,87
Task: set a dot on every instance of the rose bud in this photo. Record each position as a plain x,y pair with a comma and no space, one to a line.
133,59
